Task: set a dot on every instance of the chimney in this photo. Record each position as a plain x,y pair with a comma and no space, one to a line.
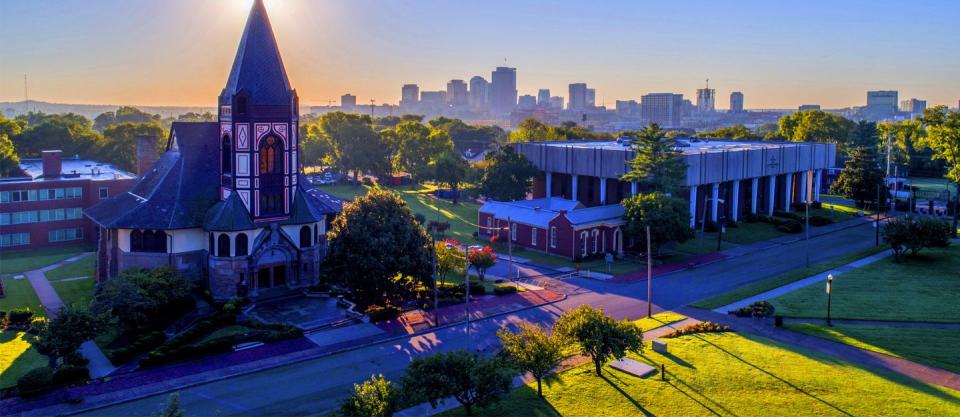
52,165
146,153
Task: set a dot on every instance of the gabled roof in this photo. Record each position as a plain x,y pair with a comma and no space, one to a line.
519,213
176,191
257,67
539,212
611,212
229,215
553,203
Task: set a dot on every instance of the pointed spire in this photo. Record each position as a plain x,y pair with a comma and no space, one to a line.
258,68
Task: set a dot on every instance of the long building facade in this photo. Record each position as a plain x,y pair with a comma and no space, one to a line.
724,180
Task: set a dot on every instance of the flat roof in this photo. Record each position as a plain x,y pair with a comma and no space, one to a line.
72,169
689,145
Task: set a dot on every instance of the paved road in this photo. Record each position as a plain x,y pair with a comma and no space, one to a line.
315,386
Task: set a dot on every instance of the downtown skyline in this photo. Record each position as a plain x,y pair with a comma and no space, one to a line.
779,56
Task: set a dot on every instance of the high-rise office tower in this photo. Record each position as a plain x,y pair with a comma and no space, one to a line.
628,108
556,102
457,93
736,102
706,100
591,98
526,102
543,97
577,97
433,102
913,106
409,98
881,104
503,90
348,102
479,93
663,109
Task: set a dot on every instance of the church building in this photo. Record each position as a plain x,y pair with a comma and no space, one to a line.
226,203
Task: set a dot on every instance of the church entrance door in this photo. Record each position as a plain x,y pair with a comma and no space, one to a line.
279,276
263,278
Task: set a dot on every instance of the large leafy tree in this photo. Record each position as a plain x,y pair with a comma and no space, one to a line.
466,136
533,130
943,138
450,169
419,145
67,331
598,335
474,381
376,397
315,147
140,297
9,161
124,114
507,175
532,350
668,218
736,132
657,165
817,126
71,133
119,144
861,178
377,247
481,260
356,146
449,259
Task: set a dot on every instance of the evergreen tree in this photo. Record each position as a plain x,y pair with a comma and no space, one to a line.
861,178
658,164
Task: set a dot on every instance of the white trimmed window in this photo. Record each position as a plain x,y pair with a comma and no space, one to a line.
596,240
14,239
583,243
553,237
513,232
104,192
533,236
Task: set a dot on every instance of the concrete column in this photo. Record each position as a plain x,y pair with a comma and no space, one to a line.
773,194
789,190
573,186
753,195
633,188
603,191
735,201
817,184
693,206
803,185
549,184
715,196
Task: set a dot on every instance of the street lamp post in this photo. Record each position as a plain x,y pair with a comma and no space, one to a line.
829,291
649,275
436,275
466,279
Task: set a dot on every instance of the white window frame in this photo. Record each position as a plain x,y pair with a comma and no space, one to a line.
104,193
583,242
513,232
553,236
533,236
596,240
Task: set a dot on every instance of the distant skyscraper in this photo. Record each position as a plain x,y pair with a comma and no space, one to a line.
578,97
913,106
808,107
556,102
881,104
433,101
706,99
543,97
591,97
348,102
479,93
457,93
628,108
503,90
409,98
527,102
736,102
663,109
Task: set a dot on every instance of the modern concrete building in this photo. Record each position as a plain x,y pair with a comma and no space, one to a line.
543,97
664,109
577,97
881,104
526,102
736,102
706,100
348,102
503,90
409,98
457,93
913,106
479,93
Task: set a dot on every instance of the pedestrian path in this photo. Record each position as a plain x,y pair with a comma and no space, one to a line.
813,279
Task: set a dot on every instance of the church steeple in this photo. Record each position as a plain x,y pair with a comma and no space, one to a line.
257,68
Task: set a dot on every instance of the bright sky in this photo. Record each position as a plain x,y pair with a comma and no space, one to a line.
778,53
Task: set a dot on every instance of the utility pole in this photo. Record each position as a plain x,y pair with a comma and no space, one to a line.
436,276
371,107
649,275
466,280
876,217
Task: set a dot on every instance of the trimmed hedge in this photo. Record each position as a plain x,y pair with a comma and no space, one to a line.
178,348
142,345
790,226
701,327
820,221
20,316
381,313
36,381
504,289
70,374
757,309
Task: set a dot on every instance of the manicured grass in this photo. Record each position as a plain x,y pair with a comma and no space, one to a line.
933,184
659,320
768,284
21,261
17,357
77,293
935,347
225,331
925,289
83,268
20,294
730,375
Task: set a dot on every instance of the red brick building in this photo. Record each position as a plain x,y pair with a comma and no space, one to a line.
44,207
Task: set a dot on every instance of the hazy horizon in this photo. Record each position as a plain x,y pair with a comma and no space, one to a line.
178,52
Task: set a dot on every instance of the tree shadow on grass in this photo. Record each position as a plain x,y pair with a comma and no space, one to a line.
627,396
676,359
673,380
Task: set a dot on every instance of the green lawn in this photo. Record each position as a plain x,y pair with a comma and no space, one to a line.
225,331
21,261
83,268
935,347
730,375
768,284
76,293
659,320
20,294
917,289
17,357
933,184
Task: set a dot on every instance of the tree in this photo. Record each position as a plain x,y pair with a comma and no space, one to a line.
668,218
531,130
450,169
124,114
481,260
356,146
419,145
865,135
197,117
70,133
860,178
943,138
465,136
658,164
471,380
66,332
532,350
737,132
9,161
817,126
449,259
507,175
315,147
376,397
140,297
598,335
172,409
377,247
119,146
907,234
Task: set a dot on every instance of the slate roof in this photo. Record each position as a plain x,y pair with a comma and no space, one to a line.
176,192
257,67
229,215
539,212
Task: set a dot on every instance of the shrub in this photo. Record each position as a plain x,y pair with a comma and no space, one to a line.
420,218
20,316
790,226
37,325
70,374
730,224
787,215
367,181
35,382
504,289
381,313
757,309
820,221
711,226
816,205
139,346
751,218
3,319
75,358
701,327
